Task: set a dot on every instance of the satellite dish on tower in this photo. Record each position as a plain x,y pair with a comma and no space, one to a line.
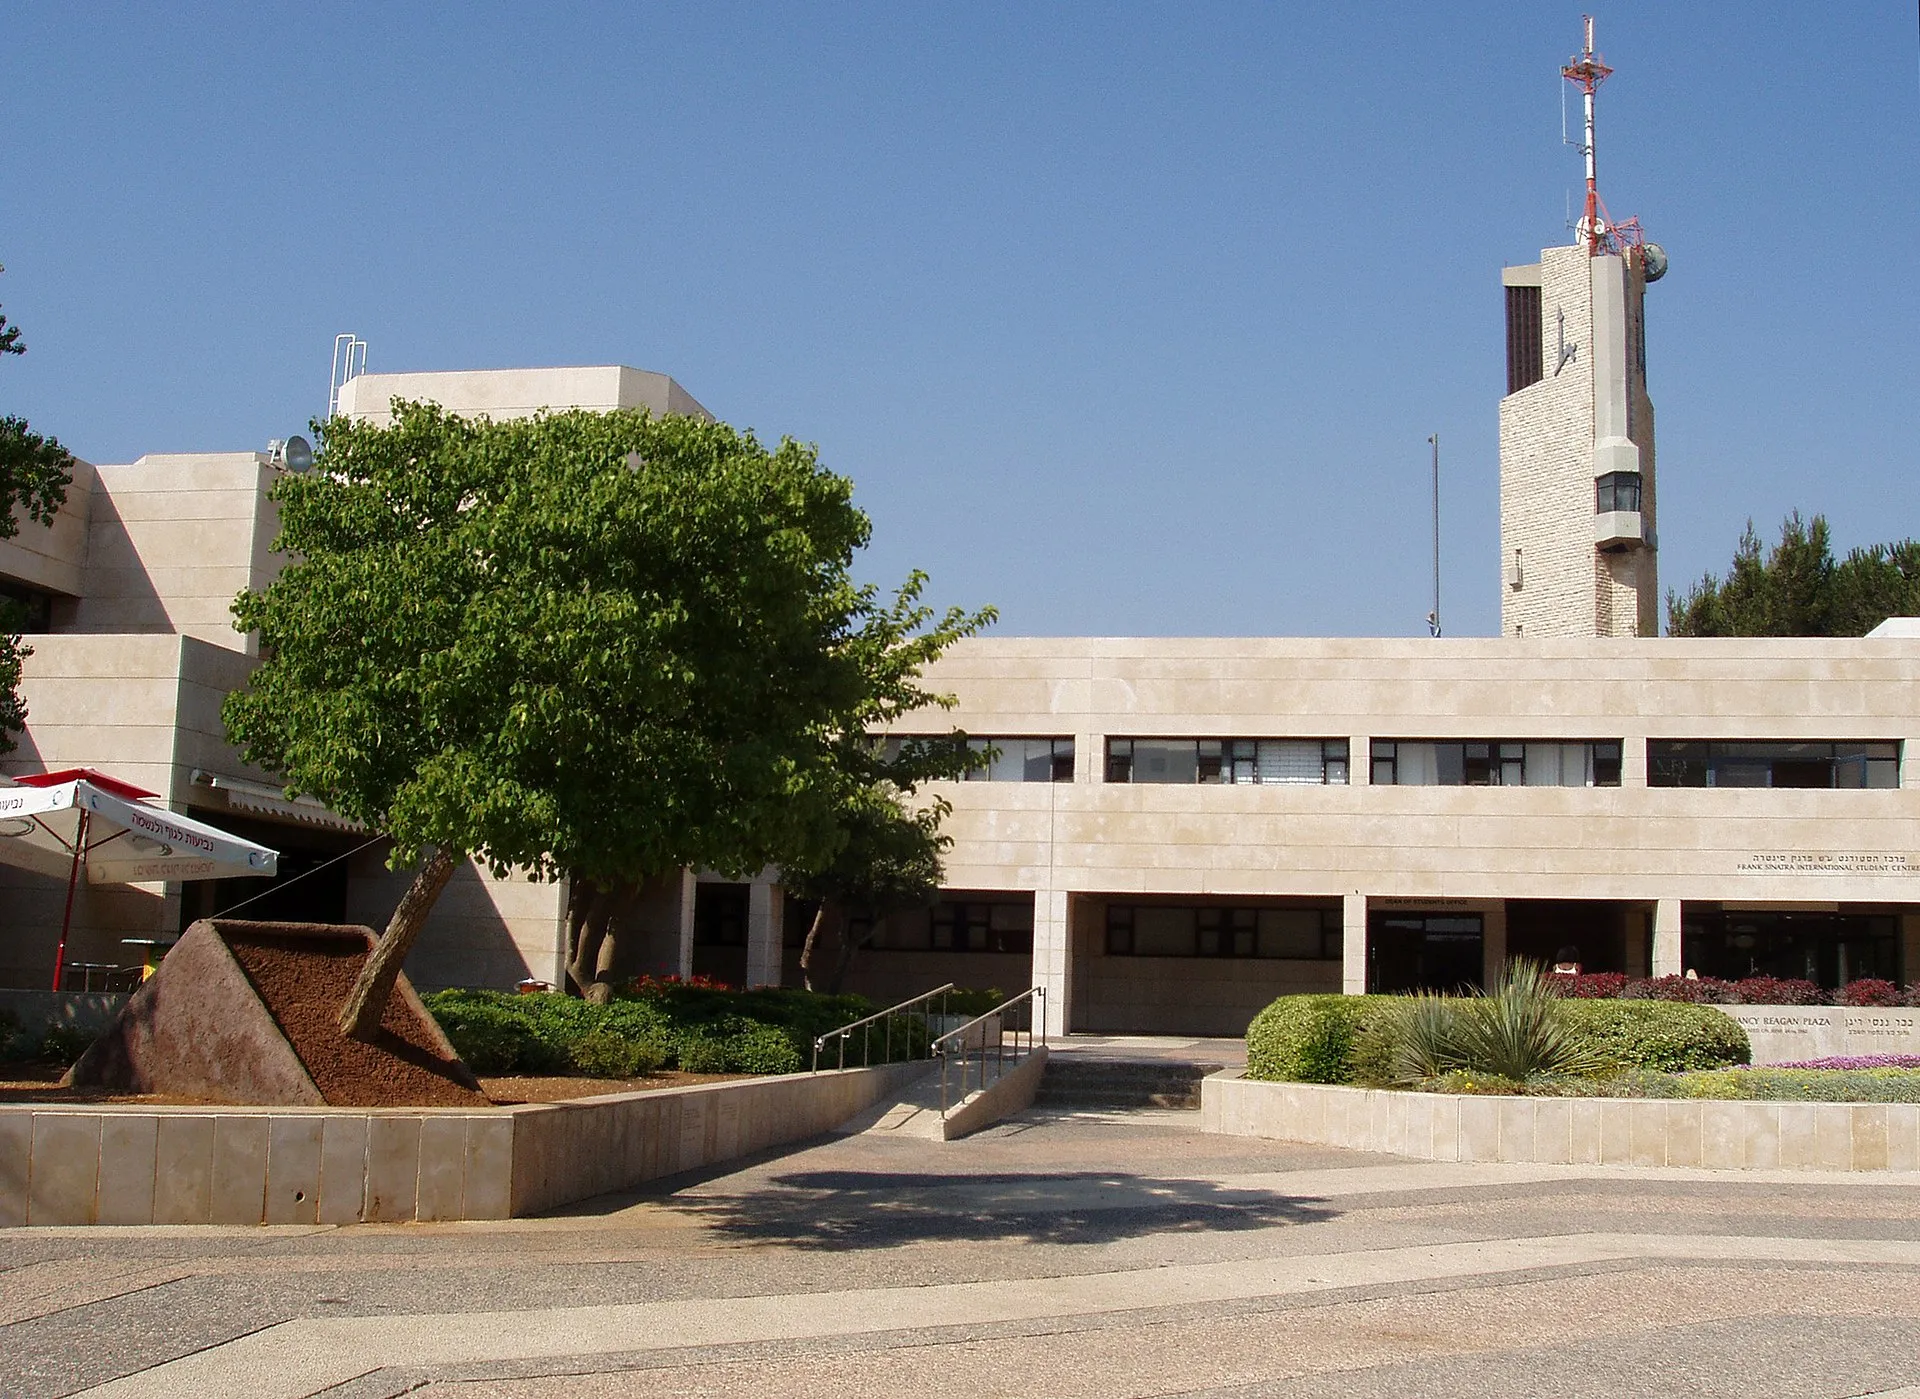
1656,261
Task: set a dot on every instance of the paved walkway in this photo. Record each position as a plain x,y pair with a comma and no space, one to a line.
1057,1254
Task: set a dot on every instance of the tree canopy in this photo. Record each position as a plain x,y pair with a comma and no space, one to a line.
594,643
35,472
1796,588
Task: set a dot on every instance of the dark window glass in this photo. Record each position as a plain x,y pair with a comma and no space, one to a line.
1617,490
1222,761
965,926
1772,763
1525,338
1165,930
1496,763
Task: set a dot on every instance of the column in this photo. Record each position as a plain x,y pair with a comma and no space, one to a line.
1053,955
689,887
1666,937
1359,761
766,902
1493,942
1353,944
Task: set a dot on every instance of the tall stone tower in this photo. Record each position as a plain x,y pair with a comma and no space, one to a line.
1577,542
1577,547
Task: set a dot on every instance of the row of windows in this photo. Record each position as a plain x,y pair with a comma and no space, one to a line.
1446,762
1158,930
1286,761
1721,764
1495,763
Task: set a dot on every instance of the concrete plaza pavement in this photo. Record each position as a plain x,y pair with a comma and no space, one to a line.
1057,1254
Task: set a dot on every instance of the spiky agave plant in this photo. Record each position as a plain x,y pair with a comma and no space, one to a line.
1520,1030
1425,1037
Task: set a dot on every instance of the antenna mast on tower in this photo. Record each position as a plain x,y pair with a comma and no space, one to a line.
1588,70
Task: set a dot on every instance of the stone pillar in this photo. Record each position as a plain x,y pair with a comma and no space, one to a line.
766,902
1493,942
1353,944
1666,938
1089,759
1053,956
689,887
1359,761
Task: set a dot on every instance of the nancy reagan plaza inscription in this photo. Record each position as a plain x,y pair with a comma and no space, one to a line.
1787,1034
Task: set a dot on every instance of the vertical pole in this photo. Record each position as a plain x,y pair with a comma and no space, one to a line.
1433,617
73,880
1593,178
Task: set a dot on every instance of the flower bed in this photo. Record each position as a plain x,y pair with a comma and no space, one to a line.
1750,991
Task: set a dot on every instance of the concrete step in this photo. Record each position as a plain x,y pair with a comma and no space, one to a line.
1084,1081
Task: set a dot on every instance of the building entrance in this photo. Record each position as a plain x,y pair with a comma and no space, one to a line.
1412,951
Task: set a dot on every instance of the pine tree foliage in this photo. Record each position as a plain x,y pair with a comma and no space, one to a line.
1797,588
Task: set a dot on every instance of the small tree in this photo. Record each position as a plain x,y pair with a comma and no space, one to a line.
592,643
35,472
890,862
1798,589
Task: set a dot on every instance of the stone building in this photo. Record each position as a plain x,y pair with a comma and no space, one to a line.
1170,832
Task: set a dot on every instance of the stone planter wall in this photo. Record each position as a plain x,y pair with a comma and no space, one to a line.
1570,1131
1786,1034
234,1165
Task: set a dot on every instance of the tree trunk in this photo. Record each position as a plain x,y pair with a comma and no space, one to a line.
848,946
588,908
595,916
367,1002
810,950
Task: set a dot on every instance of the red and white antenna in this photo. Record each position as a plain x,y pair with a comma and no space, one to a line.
1588,70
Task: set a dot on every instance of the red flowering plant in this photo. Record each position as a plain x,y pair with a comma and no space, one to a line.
1696,990
1588,986
1870,991
642,987
1779,991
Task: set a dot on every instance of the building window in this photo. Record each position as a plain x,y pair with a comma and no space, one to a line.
1727,763
1525,349
977,927
1403,762
1286,762
1003,759
23,610
1617,490
1162,930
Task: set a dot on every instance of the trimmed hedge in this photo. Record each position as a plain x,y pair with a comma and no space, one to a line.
1309,1039
699,1029
1665,1036
1343,1039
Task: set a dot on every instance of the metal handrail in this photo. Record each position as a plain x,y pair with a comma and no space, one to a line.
956,1040
879,1015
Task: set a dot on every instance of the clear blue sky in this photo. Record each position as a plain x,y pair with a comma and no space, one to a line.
1127,319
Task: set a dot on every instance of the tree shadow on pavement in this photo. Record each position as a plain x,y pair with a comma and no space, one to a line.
871,1209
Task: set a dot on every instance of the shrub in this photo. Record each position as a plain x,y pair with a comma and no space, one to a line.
1309,1039
62,1044
1591,986
1521,1030
1663,1036
1912,997
605,1054
1778,991
492,1040
1701,990
1869,991
737,1045
1411,1041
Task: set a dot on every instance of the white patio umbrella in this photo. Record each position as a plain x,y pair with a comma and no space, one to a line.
58,823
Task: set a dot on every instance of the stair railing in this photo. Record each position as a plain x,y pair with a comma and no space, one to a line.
977,1032
885,1020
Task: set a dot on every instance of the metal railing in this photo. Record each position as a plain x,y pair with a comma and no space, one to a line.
993,1026
885,1020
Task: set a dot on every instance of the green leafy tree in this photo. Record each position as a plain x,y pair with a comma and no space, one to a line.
589,643
35,472
889,862
1798,589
